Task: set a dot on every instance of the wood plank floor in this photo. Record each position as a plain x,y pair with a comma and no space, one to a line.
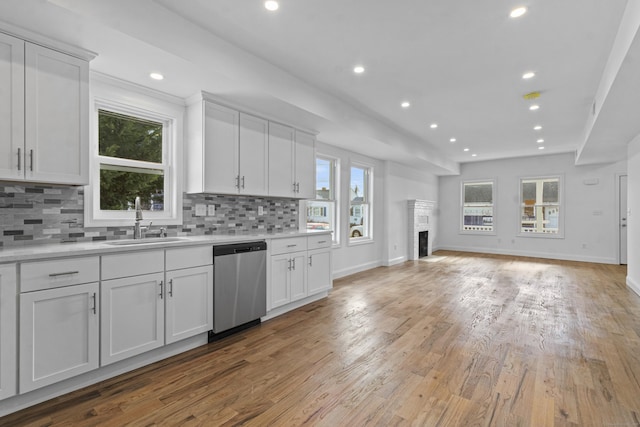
457,339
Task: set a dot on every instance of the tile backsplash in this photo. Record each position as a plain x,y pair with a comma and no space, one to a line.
41,214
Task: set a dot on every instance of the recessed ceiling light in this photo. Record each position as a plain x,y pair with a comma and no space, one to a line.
405,104
271,5
474,155
452,140
534,107
466,149
433,125
156,76
540,148
540,141
518,12
358,69
537,127
528,75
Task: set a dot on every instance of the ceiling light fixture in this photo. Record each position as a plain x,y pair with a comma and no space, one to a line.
271,5
540,148
405,104
156,76
537,127
518,12
358,69
466,149
452,140
534,107
474,155
433,125
528,75
540,141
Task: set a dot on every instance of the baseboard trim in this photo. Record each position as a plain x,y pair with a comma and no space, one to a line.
395,261
337,274
531,254
633,285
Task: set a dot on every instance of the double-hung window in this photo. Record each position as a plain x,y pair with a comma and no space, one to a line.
134,155
478,206
321,212
541,206
360,203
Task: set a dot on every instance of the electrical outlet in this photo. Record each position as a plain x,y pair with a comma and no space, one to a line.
260,210
211,210
201,210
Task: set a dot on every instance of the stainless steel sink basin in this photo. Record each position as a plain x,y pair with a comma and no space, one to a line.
148,241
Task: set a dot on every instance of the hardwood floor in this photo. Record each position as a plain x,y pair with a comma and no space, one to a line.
457,339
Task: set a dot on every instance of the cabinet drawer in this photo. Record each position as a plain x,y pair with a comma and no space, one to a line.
189,257
291,244
318,242
132,264
55,273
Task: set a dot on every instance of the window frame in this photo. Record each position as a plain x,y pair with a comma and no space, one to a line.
334,183
131,100
493,230
560,204
368,201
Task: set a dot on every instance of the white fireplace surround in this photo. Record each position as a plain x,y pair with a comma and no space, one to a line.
420,213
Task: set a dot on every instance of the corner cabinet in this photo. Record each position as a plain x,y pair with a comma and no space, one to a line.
227,151
45,115
300,268
291,162
8,331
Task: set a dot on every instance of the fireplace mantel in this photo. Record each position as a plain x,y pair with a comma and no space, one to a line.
420,213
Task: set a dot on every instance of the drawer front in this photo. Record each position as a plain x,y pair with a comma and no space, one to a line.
189,257
287,245
318,242
55,273
132,264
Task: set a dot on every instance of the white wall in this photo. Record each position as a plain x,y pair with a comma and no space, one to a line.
633,218
402,184
591,224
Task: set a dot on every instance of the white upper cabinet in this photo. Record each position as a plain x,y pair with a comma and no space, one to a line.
254,145
291,162
45,115
11,107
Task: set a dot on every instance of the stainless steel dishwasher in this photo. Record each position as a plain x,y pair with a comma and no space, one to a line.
239,286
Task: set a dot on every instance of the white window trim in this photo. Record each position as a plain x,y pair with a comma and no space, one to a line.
560,233
336,200
114,95
461,230
369,239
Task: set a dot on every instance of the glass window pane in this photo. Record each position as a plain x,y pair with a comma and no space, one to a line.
128,137
324,179
119,188
358,186
478,193
529,193
320,215
359,221
550,192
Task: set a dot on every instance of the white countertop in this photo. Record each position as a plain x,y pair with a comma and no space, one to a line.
59,250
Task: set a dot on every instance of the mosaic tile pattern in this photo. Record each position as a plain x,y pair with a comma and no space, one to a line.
38,214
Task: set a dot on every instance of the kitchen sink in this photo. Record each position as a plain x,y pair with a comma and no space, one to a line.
147,241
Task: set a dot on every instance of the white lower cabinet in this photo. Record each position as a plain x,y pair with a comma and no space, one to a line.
58,334
132,320
8,331
288,278
319,271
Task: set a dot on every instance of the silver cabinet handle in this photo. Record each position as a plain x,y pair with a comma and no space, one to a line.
161,296
171,287
291,246
289,267
243,182
294,263
322,241
65,273
95,305
238,181
623,225
19,159
31,160
297,187
310,260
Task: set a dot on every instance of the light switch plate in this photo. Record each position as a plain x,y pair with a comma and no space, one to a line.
211,210
201,210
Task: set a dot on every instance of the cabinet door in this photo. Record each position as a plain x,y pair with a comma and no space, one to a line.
11,107
298,275
189,303
132,319
319,271
281,158
280,280
8,329
56,117
254,156
305,165
221,149
58,334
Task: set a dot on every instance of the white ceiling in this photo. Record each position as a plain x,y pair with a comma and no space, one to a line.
459,63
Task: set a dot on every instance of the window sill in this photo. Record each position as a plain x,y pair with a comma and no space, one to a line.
541,235
478,232
360,241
